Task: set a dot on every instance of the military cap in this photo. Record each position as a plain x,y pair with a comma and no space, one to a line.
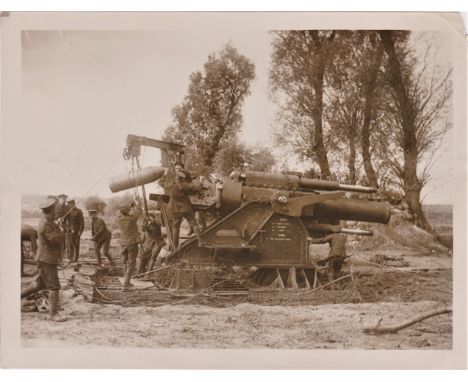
63,196
71,200
46,204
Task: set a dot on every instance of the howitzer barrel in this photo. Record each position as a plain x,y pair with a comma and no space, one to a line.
327,185
287,181
126,181
349,209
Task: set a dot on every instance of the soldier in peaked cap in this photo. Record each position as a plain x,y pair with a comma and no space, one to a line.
74,221
50,240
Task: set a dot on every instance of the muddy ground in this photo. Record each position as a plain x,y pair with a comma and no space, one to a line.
329,318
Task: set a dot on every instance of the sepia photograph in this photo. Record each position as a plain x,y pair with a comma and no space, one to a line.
236,182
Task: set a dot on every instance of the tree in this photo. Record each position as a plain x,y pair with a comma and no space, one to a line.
236,156
353,100
417,116
210,115
95,203
261,159
300,61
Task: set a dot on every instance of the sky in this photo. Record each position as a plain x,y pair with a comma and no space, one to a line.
84,91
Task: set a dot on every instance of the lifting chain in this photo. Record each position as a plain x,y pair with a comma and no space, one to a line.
126,154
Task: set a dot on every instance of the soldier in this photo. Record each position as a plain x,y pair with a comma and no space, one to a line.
51,240
28,233
129,239
101,237
153,241
179,206
61,207
337,253
74,221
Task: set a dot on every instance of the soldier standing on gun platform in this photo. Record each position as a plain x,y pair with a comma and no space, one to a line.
179,206
74,221
101,237
49,253
129,239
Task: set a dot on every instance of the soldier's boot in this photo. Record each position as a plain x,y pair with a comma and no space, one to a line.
110,259
150,264
77,251
127,285
53,307
99,260
197,231
30,290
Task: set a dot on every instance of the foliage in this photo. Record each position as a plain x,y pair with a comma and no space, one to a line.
115,202
209,117
300,64
94,203
239,156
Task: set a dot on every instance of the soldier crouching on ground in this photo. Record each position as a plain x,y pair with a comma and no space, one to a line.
49,253
153,241
28,234
337,253
101,237
129,239
75,223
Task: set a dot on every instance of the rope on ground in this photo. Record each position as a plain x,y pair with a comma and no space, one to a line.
198,294
325,285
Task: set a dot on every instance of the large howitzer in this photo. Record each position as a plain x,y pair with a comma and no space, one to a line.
265,225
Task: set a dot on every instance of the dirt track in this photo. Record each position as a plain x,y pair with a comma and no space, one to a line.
244,326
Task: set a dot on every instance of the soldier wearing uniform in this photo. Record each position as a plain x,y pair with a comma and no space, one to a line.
153,241
49,253
74,221
101,237
61,206
179,206
129,239
28,233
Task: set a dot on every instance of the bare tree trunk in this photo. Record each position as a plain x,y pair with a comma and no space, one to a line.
351,134
412,188
365,134
319,146
352,160
411,184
